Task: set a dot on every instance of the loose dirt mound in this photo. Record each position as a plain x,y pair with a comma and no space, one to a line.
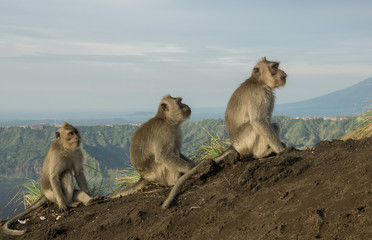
321,193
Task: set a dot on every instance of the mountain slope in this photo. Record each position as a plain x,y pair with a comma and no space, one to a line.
346,102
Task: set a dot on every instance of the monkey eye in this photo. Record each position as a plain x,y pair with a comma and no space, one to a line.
276,66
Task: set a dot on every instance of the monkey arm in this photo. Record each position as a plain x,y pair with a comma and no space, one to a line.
56,184
81,181
174,162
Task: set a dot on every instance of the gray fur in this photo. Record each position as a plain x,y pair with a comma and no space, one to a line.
63,161
155,148
248,119
249,111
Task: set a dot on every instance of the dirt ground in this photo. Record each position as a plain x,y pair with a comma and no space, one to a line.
321,193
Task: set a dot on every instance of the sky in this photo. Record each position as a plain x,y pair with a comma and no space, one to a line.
118,55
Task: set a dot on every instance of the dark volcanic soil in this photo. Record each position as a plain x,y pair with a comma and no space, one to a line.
322,193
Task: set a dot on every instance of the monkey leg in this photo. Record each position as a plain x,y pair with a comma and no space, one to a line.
163,174
68,187
245,141
261,147
167,169
249,142
49,195
278,132
80,197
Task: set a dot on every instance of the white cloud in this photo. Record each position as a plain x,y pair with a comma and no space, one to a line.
8,49
57,47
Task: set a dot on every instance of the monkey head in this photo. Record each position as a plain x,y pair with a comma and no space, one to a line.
69,136
269,73
173,110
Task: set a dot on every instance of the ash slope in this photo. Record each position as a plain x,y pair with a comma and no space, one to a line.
323,193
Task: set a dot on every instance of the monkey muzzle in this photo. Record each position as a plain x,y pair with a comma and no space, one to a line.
186,110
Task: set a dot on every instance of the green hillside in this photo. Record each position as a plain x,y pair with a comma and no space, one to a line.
106,148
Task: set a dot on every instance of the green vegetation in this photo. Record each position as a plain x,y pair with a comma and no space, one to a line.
308,132
32,193
213,148
27,193
363,129
106,148
367,116
127,177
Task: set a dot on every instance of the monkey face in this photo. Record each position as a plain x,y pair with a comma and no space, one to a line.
73,137
186,110
269,73
173,109
278,75
69,136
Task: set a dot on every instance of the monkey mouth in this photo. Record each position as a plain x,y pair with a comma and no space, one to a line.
75,143
187,111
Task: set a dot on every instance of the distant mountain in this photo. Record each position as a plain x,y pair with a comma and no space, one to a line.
350,101
346,102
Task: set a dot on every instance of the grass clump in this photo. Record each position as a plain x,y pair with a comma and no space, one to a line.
215,146
32,192
128,177
97,184
26,195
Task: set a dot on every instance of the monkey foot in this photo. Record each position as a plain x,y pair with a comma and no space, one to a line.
96,199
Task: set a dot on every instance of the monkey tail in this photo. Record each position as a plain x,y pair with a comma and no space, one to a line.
130,190
36,205
177,187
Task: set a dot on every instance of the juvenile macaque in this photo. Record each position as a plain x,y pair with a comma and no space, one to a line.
63,161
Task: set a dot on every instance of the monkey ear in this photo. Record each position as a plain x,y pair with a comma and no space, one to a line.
164,106
58,135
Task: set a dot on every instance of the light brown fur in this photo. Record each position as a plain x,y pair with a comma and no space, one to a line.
249,111
248,119
63,161
155,149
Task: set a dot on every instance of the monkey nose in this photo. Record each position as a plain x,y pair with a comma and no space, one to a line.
284,76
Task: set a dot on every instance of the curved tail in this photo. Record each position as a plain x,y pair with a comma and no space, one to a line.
36,205
177,187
